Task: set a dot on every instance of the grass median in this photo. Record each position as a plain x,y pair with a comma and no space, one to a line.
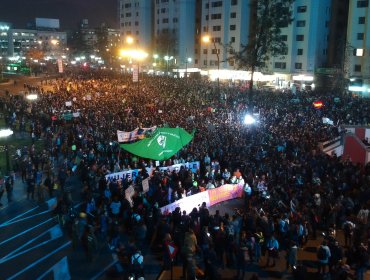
14,142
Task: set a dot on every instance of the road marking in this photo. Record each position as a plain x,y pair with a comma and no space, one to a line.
25,231
39,260
55,233
104,270
52,203
8,221
60,270
27,218
11,221
26,251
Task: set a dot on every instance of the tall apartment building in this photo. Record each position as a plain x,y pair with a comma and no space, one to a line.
4,39
136,20
224,22
337,38
175,30
165,27
307,40
17,42
358,44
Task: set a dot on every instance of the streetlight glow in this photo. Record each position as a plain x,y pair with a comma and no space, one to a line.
32,96
5,132
54,42
129,40
248,120
134,54
206,39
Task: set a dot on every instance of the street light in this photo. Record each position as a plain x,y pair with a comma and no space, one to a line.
2,68
167,59
32,96
4,133
135,54
206,39
155,56
129,40
188,60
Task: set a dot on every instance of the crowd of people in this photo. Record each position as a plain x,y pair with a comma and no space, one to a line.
291,188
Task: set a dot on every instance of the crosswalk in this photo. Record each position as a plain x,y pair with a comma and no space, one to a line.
32,243
34,246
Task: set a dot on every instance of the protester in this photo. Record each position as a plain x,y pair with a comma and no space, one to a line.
291,188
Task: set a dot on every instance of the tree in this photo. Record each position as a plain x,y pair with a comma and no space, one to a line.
265,40
76,43
34,54
166,43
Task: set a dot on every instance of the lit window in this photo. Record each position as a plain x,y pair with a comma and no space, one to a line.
358,52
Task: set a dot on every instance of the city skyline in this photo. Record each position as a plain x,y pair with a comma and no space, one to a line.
20,13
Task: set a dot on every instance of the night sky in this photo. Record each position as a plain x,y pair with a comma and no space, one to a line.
69,12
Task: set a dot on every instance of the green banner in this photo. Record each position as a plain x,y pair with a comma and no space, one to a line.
164,143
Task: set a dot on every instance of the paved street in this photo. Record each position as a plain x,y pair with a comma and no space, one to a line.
18,87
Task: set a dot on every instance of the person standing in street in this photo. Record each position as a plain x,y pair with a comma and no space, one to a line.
2,189
9,183
89,243
188,250
323,256
30,186
273,251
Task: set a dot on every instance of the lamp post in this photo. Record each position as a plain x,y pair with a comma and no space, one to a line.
4,133
2,68
206,39
138,55
188,60
167,59
155,56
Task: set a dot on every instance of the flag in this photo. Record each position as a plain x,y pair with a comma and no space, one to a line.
138,133
164,143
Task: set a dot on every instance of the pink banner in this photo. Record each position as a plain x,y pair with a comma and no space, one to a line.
210,197
225,192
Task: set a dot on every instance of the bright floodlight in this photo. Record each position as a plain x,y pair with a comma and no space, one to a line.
134,54
32,96
206,39
5,132
129,40
248,119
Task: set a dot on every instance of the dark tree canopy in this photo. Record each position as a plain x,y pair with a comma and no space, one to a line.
265,40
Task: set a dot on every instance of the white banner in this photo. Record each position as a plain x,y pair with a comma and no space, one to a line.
327,121
132,174
60,66
187,203
138,133
145,184
210,197
135,73
129,192
68,103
